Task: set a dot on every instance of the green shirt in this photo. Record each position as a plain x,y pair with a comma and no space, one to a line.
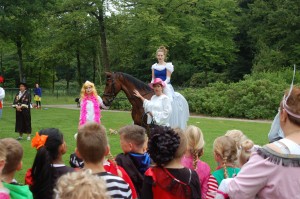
219,174
18,191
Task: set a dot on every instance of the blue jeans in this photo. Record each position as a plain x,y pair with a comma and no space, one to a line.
0,113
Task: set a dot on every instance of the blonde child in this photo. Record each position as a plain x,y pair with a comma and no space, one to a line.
168,178
14,155
247,147
191,159
81,184
238,136
90,104
4,193
225,154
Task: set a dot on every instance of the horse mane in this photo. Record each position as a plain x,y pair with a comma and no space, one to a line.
138,83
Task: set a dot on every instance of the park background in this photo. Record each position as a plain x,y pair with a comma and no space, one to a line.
232,58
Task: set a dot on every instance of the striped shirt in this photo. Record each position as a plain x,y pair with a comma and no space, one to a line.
212,187
116,186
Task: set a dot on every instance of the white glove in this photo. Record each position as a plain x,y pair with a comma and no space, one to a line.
167,80
152,80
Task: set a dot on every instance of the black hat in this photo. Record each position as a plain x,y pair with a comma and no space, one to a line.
23,83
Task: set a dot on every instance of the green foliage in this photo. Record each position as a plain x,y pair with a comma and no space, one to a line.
250,98
202,79
276,38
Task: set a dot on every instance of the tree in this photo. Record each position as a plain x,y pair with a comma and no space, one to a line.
275,33
16,24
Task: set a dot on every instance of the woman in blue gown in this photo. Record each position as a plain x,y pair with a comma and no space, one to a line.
164,70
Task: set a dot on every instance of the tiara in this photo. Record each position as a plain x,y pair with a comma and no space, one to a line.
285,98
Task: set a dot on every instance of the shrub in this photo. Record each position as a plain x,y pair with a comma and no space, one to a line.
251,99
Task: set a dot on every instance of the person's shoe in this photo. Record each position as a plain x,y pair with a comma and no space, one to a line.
20,138
28,138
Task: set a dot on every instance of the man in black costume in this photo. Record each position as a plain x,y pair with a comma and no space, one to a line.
22,103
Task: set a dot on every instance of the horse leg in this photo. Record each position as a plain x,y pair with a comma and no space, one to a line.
136,116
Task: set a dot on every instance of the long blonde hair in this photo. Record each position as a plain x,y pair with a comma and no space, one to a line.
195,142
84,86
225,148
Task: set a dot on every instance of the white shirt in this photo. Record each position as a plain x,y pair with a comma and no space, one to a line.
161,109
2,94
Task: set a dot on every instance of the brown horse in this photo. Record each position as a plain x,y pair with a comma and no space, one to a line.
115,82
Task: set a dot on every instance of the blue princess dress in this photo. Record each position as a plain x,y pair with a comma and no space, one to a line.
180,108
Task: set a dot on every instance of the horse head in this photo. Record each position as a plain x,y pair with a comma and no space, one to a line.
121,81
112,88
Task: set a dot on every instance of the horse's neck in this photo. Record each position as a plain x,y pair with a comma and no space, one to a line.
128,90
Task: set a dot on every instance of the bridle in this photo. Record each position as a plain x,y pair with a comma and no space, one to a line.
111,95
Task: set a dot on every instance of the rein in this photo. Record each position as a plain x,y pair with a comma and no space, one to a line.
111,95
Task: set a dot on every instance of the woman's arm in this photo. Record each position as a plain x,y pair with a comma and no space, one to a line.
153,76
170,69
137,94
102,105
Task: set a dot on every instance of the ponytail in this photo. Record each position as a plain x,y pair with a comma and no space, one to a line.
42,173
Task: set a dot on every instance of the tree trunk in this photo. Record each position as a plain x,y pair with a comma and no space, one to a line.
68,85
40,70
105,59
98,67
53,78
78,68
20,56
94,68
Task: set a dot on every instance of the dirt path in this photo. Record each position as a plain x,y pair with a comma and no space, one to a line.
74,107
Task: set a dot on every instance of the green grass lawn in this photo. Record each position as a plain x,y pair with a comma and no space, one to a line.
67,121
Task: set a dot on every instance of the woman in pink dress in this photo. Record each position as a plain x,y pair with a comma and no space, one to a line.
90,104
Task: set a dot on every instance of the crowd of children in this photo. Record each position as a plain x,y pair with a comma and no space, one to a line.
165,163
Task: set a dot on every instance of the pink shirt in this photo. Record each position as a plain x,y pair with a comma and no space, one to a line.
203,171
266,180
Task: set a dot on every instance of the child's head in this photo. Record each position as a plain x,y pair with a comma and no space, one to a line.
53,145
195,142
290,108
2,156
14,154
92,143
81,184
245,152
88,88
50,147
132,138
237,135
225,151
166,144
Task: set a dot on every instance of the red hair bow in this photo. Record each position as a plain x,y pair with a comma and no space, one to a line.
39,140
